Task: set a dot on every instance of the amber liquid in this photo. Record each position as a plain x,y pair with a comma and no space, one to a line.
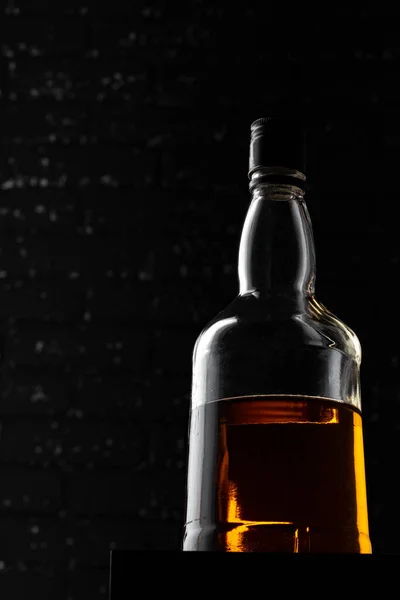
277,474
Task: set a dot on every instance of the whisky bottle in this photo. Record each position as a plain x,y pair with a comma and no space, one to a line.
276,458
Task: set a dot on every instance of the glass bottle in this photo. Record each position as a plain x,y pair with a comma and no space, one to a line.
276,459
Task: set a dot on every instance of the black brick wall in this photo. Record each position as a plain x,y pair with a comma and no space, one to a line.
124,138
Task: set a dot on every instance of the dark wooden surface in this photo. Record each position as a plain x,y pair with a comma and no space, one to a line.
236,574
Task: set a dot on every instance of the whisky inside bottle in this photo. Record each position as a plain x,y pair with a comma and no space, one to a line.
287,476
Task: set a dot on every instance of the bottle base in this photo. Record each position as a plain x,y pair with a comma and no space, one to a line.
276,537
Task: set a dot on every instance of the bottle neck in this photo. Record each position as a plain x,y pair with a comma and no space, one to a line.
276,254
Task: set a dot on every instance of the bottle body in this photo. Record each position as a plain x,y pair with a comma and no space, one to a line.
276,459
281,471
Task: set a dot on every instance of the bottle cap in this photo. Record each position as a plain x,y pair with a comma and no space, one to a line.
277,141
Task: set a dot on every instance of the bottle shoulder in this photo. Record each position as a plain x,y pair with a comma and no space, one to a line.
278,322
338,334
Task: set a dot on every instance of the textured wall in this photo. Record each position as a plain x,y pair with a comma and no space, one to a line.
124,140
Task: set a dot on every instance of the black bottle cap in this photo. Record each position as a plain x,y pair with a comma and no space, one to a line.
277,141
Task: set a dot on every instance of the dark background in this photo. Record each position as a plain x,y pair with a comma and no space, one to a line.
123,170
